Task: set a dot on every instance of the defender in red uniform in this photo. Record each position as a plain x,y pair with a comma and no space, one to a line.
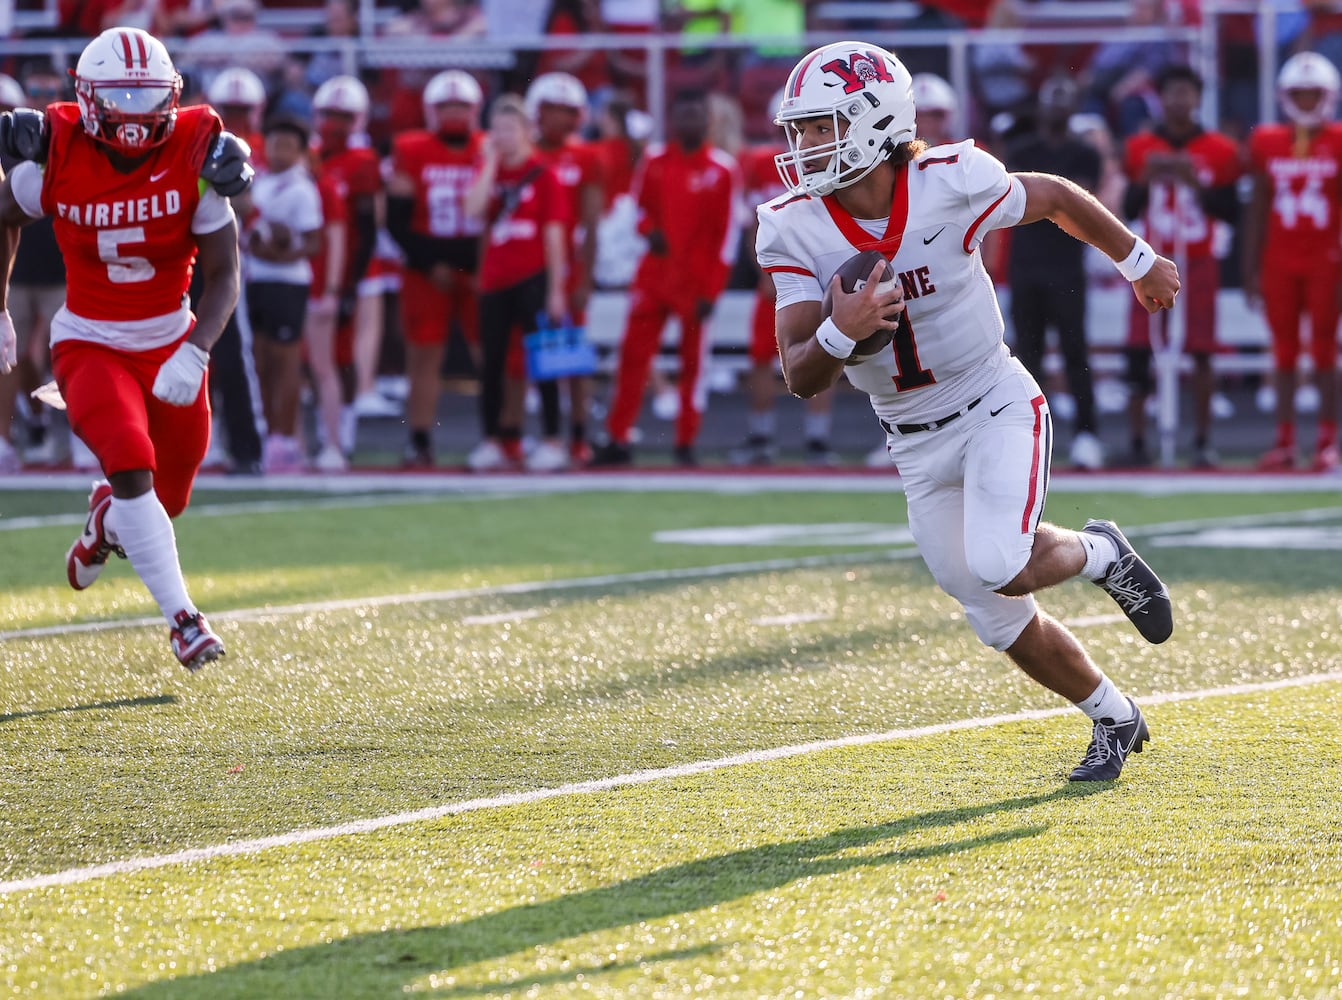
138,190
687,200
432,169
556,104
1181,180
1292,263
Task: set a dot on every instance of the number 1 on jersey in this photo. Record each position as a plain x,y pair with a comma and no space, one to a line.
909,372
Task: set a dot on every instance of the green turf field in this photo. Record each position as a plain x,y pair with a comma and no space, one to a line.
418,653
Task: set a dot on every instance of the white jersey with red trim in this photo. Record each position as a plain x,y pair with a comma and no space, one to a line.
950,350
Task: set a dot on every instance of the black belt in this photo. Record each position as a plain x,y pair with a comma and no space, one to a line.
915,428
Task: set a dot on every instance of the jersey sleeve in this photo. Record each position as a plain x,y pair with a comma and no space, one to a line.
213,212
25,183
792,272
995,198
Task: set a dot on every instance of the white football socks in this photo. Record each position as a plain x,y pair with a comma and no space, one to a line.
1101,552
1107,702
144,530
760,424
816,426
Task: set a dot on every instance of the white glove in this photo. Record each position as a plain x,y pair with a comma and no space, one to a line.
9,344
179,379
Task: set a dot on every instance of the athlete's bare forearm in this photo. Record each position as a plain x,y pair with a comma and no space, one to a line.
218,261
1076,212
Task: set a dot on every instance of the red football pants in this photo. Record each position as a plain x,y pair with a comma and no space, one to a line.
1292,292
642,337
111,406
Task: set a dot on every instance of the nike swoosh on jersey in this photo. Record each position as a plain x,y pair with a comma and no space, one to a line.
155,178
993,413
929,239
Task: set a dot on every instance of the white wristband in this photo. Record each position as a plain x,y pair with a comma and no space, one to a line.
1138,262
835,342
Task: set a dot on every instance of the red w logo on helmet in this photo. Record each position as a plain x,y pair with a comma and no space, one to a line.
859,70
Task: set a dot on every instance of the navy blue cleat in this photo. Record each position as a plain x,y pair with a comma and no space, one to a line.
1110,745
1134,586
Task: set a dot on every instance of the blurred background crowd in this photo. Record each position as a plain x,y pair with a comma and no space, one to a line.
416,124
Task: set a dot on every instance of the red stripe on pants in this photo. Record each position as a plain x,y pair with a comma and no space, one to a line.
1038,404
642,337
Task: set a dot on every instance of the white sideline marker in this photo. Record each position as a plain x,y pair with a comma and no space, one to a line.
130,866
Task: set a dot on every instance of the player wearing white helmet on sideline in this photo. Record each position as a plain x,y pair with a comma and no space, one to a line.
966,425
556,103
937,107
1291,263
239,97
432,169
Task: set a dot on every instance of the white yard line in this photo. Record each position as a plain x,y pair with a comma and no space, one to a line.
72,876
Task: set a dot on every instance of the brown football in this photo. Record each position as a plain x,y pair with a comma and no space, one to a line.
853,274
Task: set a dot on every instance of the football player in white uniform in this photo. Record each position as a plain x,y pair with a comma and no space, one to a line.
965,423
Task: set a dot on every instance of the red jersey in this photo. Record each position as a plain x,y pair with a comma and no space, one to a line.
759,174
442,175
352,174
126,238
1305,191
575,165
515,235
1174,210
690,197
618,160
334,210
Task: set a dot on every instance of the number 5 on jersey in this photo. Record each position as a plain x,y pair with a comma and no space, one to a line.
123,269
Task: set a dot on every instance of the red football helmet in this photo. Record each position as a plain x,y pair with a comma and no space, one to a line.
128,89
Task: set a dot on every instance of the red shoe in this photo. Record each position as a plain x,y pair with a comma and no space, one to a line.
193,642
1326,457
87,556
580,454
1279,459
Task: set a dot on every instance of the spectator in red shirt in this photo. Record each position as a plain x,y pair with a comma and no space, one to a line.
523,275
687,197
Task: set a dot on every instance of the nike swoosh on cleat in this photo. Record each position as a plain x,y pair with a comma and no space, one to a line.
929,239
993,413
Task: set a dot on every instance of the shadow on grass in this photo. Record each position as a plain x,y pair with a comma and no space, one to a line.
386,962
38,713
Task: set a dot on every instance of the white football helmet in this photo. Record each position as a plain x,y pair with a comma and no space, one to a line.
342,93
453,85
860,86
11,94
932,93
128,90
562,89
1308,71
237,87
